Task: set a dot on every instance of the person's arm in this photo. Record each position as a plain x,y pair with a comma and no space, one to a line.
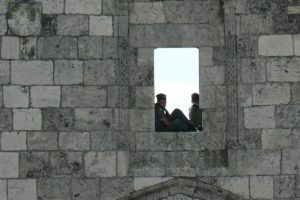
165,121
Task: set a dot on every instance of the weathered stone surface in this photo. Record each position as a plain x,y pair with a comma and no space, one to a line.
83,6
295,93
145,57
83,96
27,119
296,44
3,25
49,25
147,13
276,138
141,76
283,70
110,48
115,188
141,182
57,47
261,187
10,47
144,97
5,119
253,70
58,119
144,122
284,186
260,117
68,72
28,48
212,75
13,141
101,25
25,19
74,25
269,94
3,189
4,72
287,116
53,189
32,72
214,120
100,164
290,161
52,6
1,96
4,6
212,96
123,163
45,96
42,141
258,162
247,46
34,164
245,95
74,141
109,7
237,185
256,24
9,166
22,189
275,45
66,163
98,72
16,96
83,189
206,56
90,47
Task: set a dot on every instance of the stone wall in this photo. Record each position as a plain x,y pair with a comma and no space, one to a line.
76,106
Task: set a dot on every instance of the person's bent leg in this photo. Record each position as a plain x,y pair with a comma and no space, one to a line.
178,114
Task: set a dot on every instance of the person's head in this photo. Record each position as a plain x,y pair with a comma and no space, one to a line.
161,99
195,98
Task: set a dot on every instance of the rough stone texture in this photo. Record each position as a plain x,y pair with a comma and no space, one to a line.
98,72
13,141
101,25
147,13
206,56
245,95
140,183
74,141
58,119
83,7
22,189
115,188
45,96
295,93
9,166
283,70
276,138
49,25
52,6
32,72
275,45
6,119
287,116
28,48
144,97
16,96
284,186
296,39
67,163
3,190
3,25
260,117
290,161
110,48
10,47
24,19
100,164
42,140
27,119
90,47
238,185
68,72
74,25
271,94
83,189
123,163
212,75
261,187
253,70
143,122
53,189
4,72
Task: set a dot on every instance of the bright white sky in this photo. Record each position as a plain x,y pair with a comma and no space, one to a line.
176,74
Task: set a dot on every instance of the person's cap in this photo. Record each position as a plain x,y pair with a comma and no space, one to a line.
161,96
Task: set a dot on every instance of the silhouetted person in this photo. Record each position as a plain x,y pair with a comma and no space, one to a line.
195,113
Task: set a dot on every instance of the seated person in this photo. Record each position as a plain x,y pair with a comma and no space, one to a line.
176,121
195,113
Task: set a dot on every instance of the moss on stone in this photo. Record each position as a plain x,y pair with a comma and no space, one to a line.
14,8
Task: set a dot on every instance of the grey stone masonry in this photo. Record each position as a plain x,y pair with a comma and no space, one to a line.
67,72
74,25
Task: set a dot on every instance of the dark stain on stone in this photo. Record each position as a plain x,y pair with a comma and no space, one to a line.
106,123
76,195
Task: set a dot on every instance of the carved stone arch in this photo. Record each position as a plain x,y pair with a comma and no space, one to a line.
181,189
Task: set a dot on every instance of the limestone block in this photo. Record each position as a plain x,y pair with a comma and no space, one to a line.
141,76
109,7
74,141
22,189
245,95
57,47
16,96
122,163
141,119
25,19
253,70
101,25
208,96
68,72
205,56
283,70
45,96
58,188
295,93
100,164
258,162
83,7
110,48
9,166
28,48
3,24
276,138
13,141
143,182
42,141
237,185
295,137
5,119
52,6
74,25
93,119
1,97
290,161
293,10
98,72
271,94
10,47
284,186
32,72
250,138
49,25
4,6
212,75
115,188
275,45
136,35
4,72
27,119
144,97
288,116
256,24
147,13
261,187
260,117
3,190
296,39
90,47
66,163
58,119
145,57
83,189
